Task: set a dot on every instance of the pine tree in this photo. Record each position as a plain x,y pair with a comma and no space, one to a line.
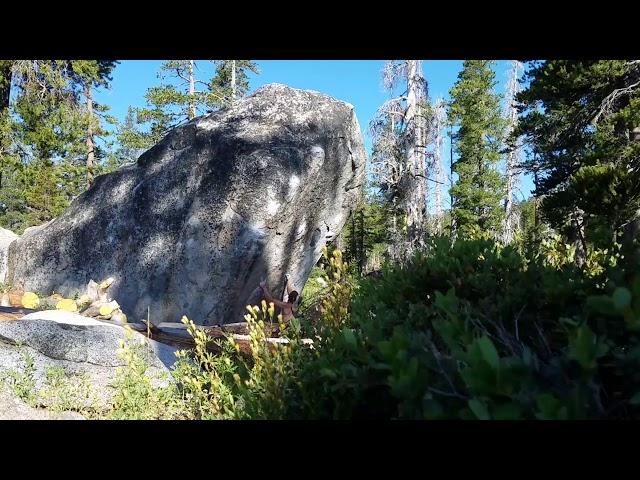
46,136
131,143
579,119
6,74
86,76
231,80
475,110
176,100
367,234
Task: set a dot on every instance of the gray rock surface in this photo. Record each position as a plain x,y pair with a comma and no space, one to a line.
59,338
13,408
251,192
6,237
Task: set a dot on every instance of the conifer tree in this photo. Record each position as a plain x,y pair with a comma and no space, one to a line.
475,110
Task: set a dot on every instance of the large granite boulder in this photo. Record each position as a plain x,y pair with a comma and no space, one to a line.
6,237
251,192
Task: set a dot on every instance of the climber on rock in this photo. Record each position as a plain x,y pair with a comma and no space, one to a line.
289,308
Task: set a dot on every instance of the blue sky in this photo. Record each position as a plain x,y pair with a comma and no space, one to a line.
354,81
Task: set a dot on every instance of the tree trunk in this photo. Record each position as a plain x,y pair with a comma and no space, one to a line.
192,92
414,188
451,181
512,156
233,80
632,229
579,240
353,244
90,144
361,253
437,165
5,83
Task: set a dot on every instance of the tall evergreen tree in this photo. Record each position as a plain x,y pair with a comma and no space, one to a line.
231,80
131,142
176,100
6,74
46,137
88,75
580,120
475,110
439,126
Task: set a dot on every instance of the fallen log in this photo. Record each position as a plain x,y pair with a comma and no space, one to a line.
14,313
177,335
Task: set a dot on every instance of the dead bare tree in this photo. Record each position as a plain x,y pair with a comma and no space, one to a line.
511,219
400,131
439,126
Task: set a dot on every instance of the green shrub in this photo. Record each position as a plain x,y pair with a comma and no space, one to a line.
22,382
136,396
473,330
68,393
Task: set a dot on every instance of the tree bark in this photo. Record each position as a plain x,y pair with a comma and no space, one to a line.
233,80
414,191
90,144
192,92
512,116
579,240
5,83
437,164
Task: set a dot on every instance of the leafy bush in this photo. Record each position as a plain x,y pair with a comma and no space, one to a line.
137,396
67,393
470,331
22,382
473,330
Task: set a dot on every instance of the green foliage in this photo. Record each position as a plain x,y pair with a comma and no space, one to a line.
43,135
172,102
475,109
366,235
67,393
472,330
578,118
206,381
221,82
132,143
137,394
22,381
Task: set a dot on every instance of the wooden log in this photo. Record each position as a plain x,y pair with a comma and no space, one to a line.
183,340
15,298
14,313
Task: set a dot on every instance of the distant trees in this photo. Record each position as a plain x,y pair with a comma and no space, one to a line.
580,120
182,95
51,135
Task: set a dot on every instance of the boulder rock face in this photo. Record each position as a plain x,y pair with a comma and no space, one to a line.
6,237
81,346
251,192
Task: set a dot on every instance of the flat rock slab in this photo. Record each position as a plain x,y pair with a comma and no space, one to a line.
80,345
14,408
